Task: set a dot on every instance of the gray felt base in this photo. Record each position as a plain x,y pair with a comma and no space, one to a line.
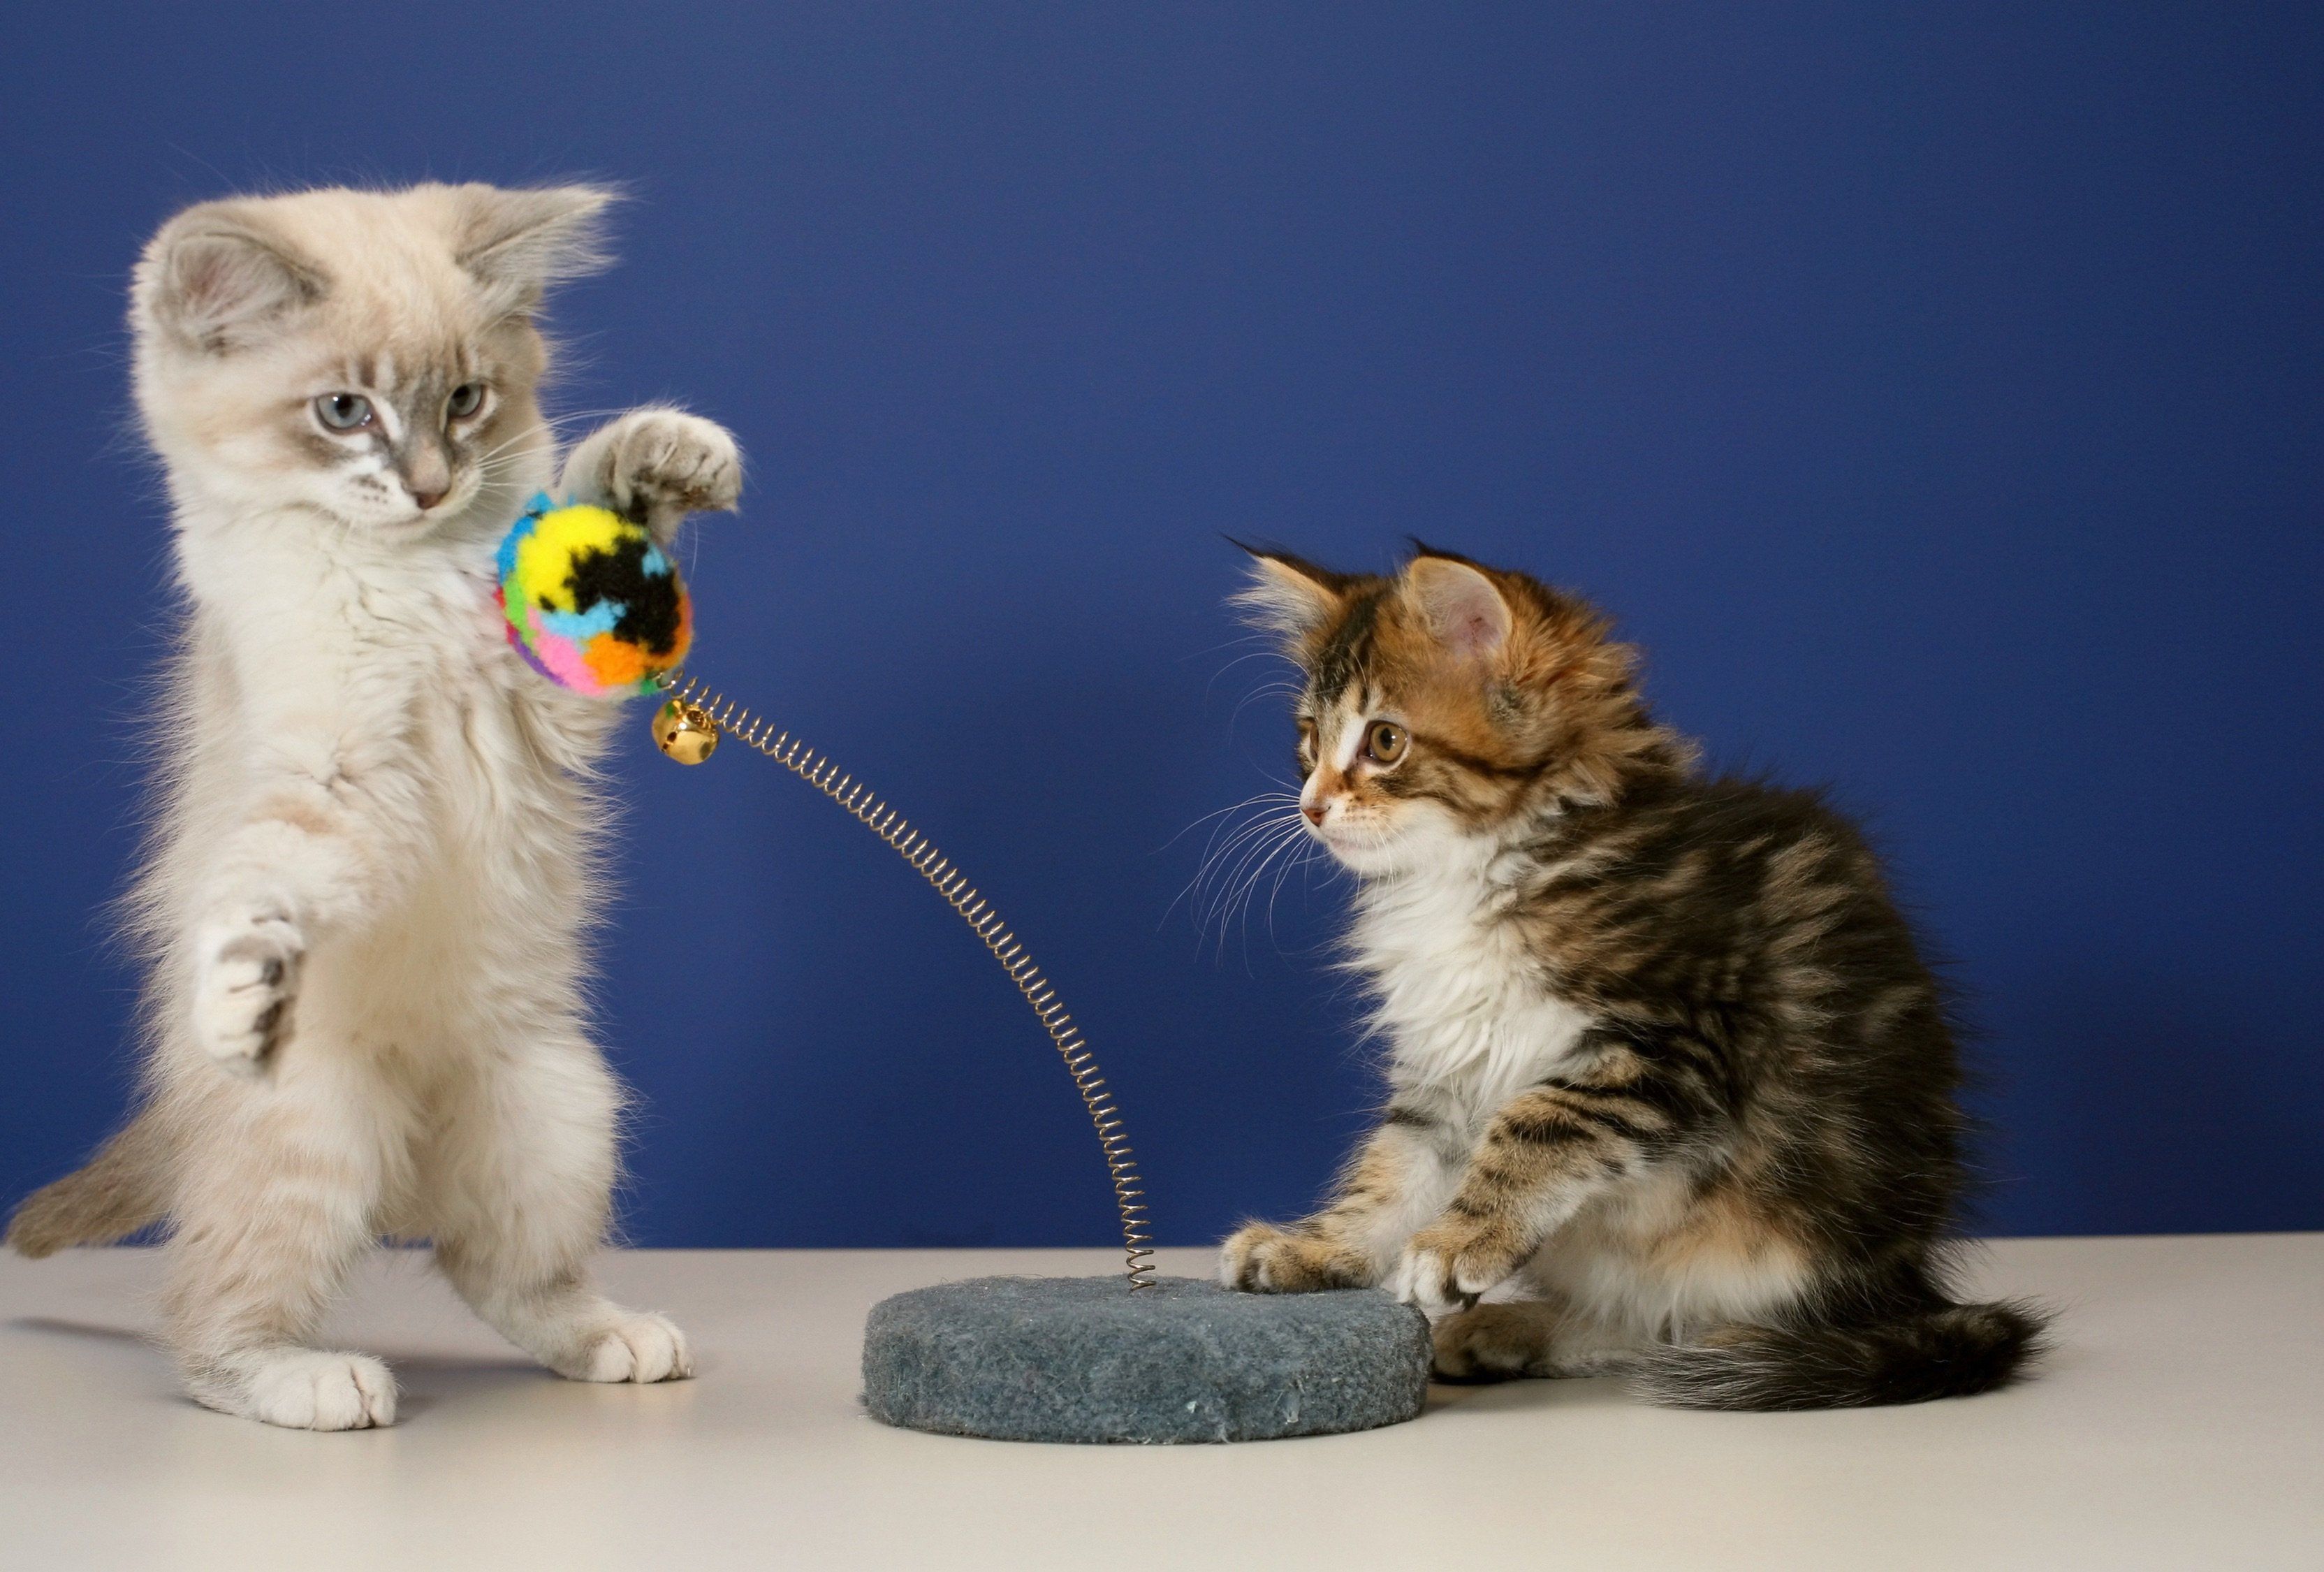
1084,1359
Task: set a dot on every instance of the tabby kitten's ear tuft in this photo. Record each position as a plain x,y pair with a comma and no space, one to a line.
1289,596
1463,607
221,277
516,243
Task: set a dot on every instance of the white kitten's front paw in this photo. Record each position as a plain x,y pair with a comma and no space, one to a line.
637,1348
304,1389
245,977
661,465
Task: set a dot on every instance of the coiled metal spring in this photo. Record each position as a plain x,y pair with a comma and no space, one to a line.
716,713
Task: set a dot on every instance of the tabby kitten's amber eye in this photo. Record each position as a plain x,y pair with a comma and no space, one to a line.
1384,743
465,400
344,411
1306,745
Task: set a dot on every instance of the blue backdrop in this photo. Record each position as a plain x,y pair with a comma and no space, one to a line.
1933,390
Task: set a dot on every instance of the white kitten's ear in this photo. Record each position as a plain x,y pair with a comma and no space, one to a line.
516,243
1287,597
1464,608
218,277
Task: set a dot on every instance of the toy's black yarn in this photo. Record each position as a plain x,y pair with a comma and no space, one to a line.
652,604
1086,1359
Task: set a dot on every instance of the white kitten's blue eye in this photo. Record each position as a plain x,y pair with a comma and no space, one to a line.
344,411
465,400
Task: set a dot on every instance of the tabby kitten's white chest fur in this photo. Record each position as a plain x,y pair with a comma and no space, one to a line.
368,894
1456,993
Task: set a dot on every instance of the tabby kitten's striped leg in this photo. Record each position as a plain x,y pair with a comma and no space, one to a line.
1545,1154
1398,1177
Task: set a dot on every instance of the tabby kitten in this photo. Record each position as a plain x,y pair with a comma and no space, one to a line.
368,892
1672,1091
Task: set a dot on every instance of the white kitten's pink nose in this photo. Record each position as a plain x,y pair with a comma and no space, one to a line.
426,472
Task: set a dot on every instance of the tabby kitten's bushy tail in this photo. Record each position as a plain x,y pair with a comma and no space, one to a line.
1943,1350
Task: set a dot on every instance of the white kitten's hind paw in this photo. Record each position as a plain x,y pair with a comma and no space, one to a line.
245,976
637,1348
302,1388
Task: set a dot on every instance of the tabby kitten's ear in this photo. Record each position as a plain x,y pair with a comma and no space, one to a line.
1289,596
221,277
1463,607
516,243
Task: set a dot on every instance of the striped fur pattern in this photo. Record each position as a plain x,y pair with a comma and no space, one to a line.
1672,1092
367,898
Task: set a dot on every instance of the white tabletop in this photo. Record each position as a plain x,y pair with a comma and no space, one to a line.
2180,1425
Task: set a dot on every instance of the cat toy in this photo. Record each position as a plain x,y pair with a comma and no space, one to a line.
593,603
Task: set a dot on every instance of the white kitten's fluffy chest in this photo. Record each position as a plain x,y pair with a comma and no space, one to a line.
360,650
1456,993
387,675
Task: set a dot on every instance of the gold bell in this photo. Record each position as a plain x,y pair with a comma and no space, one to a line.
684,732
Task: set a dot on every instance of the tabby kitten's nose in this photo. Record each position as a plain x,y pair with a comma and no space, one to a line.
1315,811
427,499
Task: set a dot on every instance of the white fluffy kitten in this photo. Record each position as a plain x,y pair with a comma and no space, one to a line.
373,873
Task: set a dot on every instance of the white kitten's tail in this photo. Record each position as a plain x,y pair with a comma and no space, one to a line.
123,1189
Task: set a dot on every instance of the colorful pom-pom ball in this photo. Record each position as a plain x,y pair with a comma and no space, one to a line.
593,603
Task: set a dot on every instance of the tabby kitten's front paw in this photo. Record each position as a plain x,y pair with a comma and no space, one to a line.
245,976
1260,1258
659,466
1449,1264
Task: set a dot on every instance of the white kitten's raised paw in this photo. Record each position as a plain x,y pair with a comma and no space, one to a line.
637,1348
661,465
304,1389
245,977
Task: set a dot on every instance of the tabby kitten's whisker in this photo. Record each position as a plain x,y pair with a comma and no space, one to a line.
1232,890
